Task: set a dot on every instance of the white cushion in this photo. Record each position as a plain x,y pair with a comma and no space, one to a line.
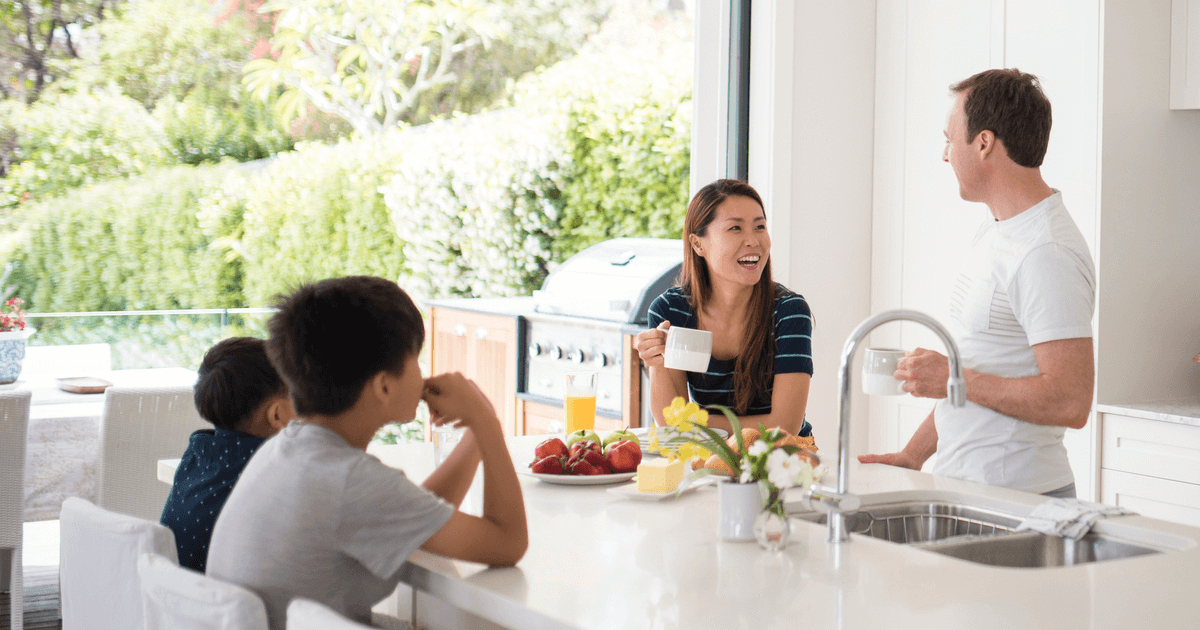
306,614
98,570
177,598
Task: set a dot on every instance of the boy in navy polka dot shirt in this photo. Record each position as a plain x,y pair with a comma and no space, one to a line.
242,395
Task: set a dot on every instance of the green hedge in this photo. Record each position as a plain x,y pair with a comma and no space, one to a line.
478,201
625,115
109,136
596,147
125,244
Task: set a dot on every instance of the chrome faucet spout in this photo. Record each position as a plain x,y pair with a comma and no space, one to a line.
956,390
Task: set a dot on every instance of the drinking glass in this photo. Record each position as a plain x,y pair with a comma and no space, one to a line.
579,404
445,438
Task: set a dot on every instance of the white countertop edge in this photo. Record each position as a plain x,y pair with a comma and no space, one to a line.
481,602
1177,412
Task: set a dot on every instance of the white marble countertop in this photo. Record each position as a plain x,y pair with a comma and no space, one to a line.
1164,411
597,561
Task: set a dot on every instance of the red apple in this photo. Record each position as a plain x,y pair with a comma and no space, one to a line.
551,447
624,456
550,465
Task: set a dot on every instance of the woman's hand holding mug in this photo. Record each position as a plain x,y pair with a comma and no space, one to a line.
651,344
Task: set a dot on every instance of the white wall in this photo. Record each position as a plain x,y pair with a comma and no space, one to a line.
812,112
1149,307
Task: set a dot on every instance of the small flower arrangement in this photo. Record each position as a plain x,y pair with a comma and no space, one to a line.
772,458
12,317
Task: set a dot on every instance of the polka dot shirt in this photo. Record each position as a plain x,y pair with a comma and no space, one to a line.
207,472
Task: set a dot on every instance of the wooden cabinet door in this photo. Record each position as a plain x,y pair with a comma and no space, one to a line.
483,348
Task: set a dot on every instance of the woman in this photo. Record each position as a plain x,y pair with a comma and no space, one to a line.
762,332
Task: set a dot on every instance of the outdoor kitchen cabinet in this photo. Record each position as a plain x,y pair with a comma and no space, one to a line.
484,348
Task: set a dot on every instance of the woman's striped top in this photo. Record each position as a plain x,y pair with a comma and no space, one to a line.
793,347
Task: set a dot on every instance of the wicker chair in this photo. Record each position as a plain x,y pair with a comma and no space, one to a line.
14,419
140,427
98,565
177,598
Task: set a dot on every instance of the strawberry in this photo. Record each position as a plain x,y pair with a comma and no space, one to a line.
550,465
582,467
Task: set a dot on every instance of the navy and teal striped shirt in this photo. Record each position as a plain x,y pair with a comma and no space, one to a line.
793,348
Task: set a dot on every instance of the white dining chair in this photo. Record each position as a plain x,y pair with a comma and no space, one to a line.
142,425
306,614
178,598
14,421
98,565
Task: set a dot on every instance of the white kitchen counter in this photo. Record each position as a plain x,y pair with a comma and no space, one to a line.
599,561
1164,411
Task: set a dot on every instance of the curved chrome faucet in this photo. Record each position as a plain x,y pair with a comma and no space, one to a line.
838,501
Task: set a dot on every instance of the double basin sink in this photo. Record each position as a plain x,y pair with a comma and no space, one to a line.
984,534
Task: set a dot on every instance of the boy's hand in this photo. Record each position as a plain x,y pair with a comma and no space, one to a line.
453,397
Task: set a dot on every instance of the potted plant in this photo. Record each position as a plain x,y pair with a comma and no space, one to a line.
760,465
13,336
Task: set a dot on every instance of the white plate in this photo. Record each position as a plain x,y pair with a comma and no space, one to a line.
580,480
630,491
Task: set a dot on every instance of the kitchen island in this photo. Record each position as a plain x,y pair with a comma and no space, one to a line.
597,560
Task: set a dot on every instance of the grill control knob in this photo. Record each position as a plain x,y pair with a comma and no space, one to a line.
556,353
578,356
535,349
602,359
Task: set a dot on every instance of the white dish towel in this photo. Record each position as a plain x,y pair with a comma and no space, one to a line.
1070,518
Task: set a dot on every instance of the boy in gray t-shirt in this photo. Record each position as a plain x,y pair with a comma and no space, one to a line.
313,514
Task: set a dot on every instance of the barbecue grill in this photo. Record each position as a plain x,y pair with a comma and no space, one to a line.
584,309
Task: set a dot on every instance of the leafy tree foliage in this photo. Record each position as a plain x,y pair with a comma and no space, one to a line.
377,63
36,36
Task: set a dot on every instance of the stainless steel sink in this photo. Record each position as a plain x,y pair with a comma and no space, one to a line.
910,522
979,534
1031,549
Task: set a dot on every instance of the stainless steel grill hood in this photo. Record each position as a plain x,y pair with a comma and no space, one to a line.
613,281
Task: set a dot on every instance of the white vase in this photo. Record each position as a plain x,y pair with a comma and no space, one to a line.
12,354
739,504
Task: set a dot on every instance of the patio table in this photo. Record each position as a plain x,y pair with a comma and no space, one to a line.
63,443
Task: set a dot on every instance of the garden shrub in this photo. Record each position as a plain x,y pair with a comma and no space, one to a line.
108,136
124,244
315,213
478,200
625,118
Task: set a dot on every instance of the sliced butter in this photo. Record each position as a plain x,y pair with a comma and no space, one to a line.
659,476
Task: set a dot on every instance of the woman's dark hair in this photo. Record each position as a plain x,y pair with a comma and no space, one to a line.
752,373
1010,104
331,337
234,380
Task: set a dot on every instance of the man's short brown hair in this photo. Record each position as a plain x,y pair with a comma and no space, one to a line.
1010,104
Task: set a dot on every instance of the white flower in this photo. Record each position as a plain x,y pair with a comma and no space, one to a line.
785,471
758,448
745,478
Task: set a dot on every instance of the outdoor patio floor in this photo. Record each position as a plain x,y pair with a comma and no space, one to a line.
40,555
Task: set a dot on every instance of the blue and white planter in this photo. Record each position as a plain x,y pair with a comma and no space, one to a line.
12,354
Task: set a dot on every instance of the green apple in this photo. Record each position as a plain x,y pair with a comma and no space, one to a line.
617,436
582,434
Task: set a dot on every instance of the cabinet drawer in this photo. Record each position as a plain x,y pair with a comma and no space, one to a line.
1150,496
1153,448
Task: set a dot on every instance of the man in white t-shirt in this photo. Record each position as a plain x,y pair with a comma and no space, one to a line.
1021,308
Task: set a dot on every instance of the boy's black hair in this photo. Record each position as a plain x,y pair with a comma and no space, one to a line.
234,380
329,338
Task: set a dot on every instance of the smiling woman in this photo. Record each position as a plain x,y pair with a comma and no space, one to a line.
762,332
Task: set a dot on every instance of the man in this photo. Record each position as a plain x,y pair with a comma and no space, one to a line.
1021,308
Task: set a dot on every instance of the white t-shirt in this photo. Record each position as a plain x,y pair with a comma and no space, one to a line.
1027,280
312,516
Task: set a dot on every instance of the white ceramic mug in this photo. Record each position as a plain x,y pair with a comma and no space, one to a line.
878,366
688,349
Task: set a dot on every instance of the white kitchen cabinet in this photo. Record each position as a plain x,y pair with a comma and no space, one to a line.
1151,467
1185,54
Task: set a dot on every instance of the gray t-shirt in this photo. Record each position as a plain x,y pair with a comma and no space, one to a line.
315,517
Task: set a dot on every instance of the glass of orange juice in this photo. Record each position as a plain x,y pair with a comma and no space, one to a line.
579,403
